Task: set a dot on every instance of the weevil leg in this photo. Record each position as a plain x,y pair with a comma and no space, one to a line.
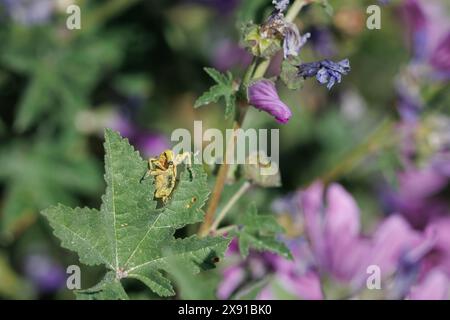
152,163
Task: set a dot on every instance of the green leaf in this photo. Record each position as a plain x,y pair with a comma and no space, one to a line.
107,289
223,88
129,234
193,287
259,232
289,74
60,77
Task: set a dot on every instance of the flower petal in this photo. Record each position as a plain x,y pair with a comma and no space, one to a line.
263,96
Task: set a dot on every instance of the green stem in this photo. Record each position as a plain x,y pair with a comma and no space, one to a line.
294,10
243,189
260,71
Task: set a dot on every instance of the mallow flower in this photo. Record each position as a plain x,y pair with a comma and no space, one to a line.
263,95
326,71
429,24
417,259
333,227
434,286
296,277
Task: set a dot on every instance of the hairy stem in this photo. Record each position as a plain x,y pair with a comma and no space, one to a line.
243,189
296,7
259,72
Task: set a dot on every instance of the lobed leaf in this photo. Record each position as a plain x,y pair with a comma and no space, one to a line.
129,234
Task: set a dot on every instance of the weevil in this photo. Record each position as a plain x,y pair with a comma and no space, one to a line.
164,169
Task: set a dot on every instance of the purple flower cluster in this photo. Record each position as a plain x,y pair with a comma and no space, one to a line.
418,195
277,27
293,41
262,94
326,71
430,33
413,264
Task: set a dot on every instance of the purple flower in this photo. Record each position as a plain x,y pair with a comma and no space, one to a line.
325,71
293,41
439,258
233,277
295,277
298,277
263,95
415,198
44,273
29,12
434,287
333,230
430,32
440,58
418,195
333,227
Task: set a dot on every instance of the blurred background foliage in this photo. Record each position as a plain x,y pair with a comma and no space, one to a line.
137,66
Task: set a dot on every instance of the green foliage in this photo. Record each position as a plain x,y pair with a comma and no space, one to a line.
289,74
39,173
107,289
192,287
61,72
259,232
223,89
129,234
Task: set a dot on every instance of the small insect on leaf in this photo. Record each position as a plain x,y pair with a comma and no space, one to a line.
164,169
